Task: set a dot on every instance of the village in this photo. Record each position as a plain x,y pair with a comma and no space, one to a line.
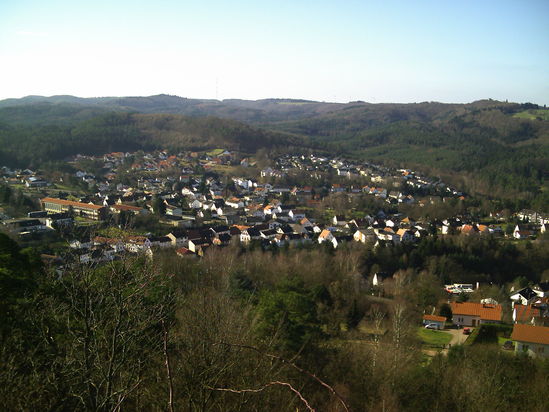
203,209
188,203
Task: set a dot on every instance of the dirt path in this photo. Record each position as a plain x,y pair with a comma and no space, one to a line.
458,337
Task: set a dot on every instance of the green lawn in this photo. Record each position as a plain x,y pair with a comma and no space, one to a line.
533,114
433,337
215,152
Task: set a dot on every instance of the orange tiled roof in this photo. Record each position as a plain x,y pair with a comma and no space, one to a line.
532,334
525,313
71,203
241,227
325,233
485,312
435,318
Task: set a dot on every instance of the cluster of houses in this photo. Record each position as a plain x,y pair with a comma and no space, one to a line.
251,209
29,178
530,317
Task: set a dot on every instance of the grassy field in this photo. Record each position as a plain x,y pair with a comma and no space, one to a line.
533,114
432,337
215,152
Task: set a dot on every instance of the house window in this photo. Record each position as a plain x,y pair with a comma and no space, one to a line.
525,348
541,349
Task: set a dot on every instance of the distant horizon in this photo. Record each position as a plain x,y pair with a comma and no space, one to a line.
268,98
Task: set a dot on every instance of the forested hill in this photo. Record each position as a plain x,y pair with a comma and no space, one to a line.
489,147
33,144
249,111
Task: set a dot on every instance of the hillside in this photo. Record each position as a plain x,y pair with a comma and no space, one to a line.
32,144
488,147
250,111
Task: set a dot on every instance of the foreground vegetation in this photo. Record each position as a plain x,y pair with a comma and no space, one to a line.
239,330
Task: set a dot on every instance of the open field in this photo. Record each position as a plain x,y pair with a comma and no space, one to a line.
533,114
432,337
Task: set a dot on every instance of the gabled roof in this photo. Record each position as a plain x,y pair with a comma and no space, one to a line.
531,334
434,318
525,313
325,234
484,311
526,293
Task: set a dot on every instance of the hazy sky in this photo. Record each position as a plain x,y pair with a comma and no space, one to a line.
376,51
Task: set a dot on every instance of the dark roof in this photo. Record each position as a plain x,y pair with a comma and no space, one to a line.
219,229
225,237
527,293
253,232
179,232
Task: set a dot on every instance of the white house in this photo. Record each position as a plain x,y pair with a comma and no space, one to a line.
533,340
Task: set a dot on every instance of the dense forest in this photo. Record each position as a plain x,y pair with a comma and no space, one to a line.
253,330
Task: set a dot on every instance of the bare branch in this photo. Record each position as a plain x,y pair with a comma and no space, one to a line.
292,364
294,390
168,367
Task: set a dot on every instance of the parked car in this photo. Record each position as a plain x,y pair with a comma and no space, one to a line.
466,331
431,326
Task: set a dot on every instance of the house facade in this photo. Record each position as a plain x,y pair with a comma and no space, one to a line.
434,320
532,340
91,211
474,314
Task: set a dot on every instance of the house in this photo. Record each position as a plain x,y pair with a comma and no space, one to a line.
469,230
438,321
250,234
528,314
36,182
406,235
474,314
197,245
524,296
523,232
177,237
364,235
533,340
172,210
325,236
24,225
58,220
135,210
183,251
222,239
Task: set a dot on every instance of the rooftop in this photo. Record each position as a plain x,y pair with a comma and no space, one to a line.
532,334
484,311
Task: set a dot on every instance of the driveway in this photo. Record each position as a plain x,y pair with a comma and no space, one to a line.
457,336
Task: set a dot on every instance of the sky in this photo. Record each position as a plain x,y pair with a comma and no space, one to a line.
339,51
